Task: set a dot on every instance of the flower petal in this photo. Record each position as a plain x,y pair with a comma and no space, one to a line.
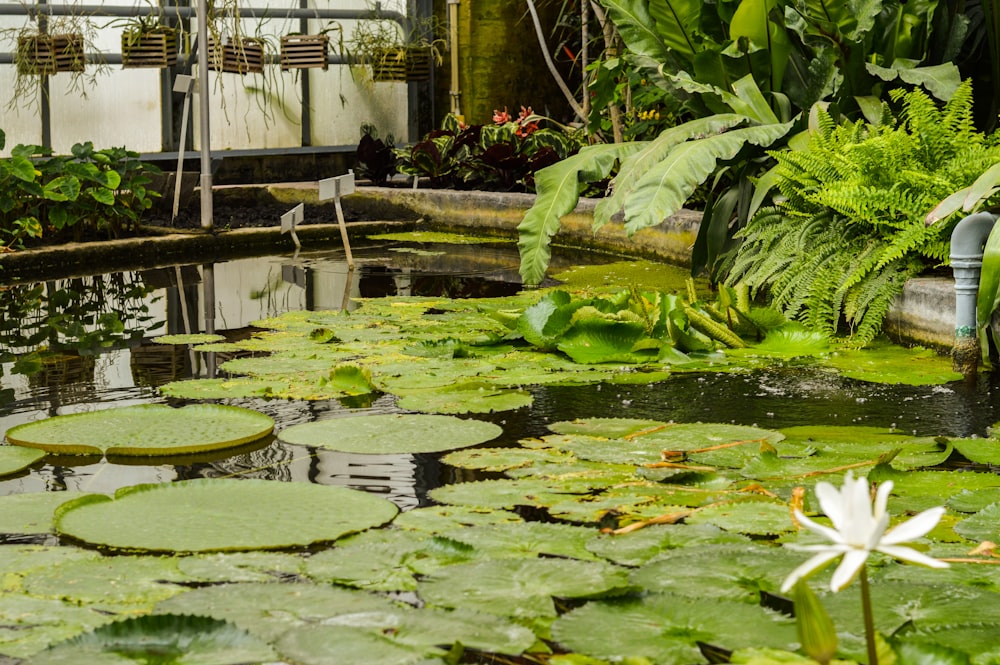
848,569
911,555
813,564
825,531
831,503
882,498
915,527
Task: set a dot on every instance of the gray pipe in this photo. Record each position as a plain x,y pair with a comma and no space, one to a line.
967,242
378,13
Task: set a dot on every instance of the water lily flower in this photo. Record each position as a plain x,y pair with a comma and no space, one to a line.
859,528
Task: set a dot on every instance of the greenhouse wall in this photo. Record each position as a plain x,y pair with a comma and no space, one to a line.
137,108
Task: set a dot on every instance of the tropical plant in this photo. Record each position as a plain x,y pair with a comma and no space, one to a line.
787,55
376,157
90,191
503,156
849,229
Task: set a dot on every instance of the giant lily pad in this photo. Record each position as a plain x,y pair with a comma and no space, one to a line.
14,459
144,429
161,639
392,433
219,515
31,513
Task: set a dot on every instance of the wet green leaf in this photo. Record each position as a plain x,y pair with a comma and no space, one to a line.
392,433
220,515
31,513
144,429
15,458
161,639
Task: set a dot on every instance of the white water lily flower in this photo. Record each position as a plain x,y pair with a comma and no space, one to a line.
858,530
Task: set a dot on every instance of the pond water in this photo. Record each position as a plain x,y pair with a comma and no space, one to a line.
83,343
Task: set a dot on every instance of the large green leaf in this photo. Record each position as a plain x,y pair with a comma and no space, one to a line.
558,188
664,189
145,429
636,165
160,640
219,515
666,629
15,458
346,645
32,512
641,34
392,433
751,20
520,588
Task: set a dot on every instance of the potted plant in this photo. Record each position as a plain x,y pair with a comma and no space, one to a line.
149,43
44,53
298,51
394,55
240,55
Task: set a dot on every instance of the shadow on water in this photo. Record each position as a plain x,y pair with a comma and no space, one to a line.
85,343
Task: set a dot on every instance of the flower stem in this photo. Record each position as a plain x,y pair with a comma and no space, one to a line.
866,608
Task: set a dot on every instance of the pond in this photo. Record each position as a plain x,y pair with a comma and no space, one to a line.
88,343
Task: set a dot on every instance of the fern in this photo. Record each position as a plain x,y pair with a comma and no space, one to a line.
849,231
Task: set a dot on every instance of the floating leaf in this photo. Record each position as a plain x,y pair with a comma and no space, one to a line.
752,518
520,588
972,501
346,645
14,459
981,451
724,571
638,547
465,398
894,364
190,338
665,628
218,515
139,582
164,639
31,513
219,567
392,433
984,525
438,237
269,610
31,624
144,429
440,519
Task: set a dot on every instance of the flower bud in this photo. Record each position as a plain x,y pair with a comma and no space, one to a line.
815,628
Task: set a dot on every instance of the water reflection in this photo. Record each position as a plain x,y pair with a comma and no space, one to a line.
86,343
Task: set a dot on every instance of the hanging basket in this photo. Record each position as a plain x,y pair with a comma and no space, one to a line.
304,51
402,64
48,54
156,48
243,57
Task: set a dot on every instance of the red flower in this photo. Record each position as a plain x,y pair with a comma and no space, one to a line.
501,117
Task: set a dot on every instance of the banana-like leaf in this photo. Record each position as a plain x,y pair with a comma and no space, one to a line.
746,98
635,166
751,21
940,80
558,188
664,189
677,23
637,28
988,298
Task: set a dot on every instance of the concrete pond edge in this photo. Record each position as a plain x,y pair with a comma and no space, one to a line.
923,314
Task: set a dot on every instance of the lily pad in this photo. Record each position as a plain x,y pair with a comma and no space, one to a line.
984,525
464,398
219,515
14,459
164,639
392,433
981,451
521,588
144,430
31,513
191,338
895,365
666,629
345,645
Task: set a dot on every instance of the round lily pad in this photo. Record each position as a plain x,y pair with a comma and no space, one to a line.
145,429
220,515
31,512
191,338
14,459
391,433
